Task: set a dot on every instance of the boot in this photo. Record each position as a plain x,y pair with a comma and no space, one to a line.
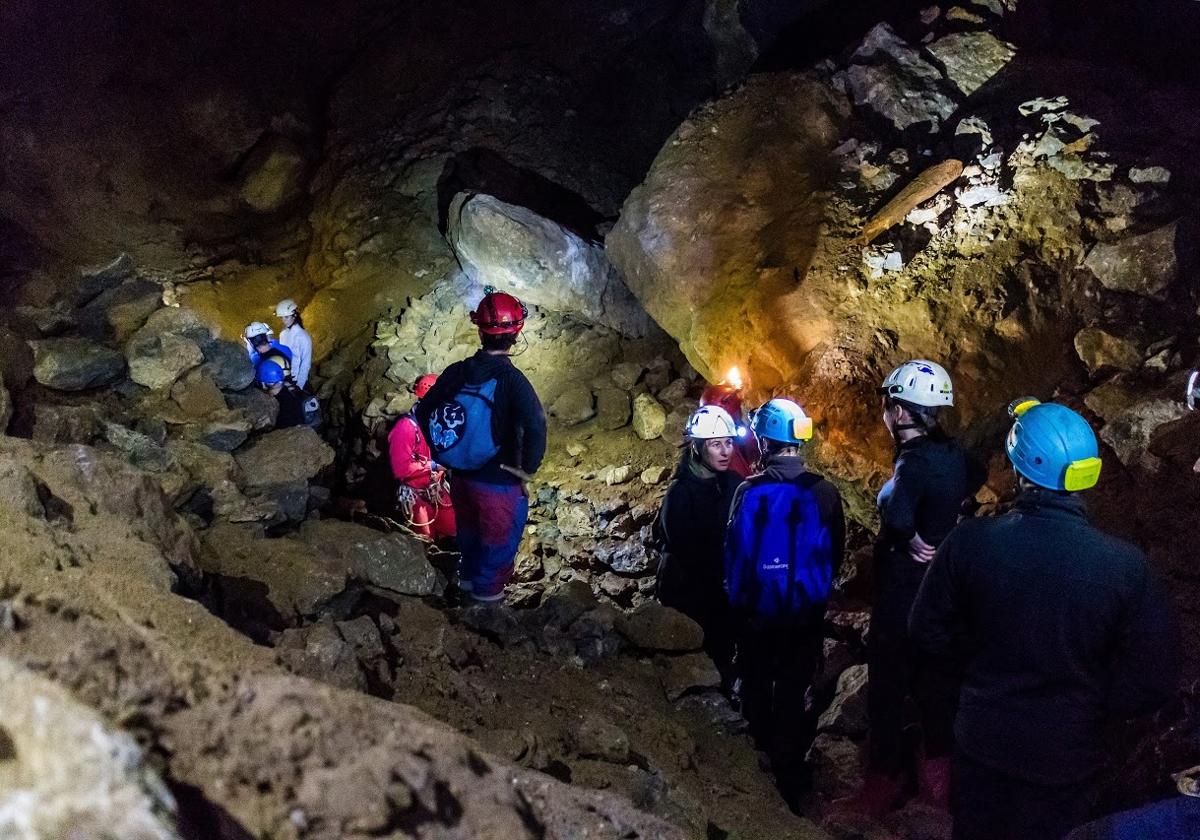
879,794
933,779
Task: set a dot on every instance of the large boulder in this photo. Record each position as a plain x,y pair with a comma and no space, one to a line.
1102,352
66,772
228,365
157,361
395,562
970,59
698,242
1145,264
890,77
540,261
652,626
75,364
284,456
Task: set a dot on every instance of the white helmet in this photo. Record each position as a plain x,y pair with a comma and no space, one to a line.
258,328
711,421
286,307
921,383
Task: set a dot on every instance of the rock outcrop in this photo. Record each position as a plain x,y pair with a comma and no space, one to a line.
541,262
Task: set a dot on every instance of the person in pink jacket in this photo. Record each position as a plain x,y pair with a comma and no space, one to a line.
421,494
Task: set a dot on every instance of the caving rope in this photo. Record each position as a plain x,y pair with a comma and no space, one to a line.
436,494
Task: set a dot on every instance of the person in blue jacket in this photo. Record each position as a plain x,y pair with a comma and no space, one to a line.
1063,628
783,548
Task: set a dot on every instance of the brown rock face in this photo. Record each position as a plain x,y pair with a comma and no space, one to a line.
718,239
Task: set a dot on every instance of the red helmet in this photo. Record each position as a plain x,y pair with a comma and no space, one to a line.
423,384
724,396
499,313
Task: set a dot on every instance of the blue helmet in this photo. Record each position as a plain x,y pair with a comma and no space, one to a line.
783,421
1053,446
269,373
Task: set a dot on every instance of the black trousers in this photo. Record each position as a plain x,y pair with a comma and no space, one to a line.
898,675
989,805
776,664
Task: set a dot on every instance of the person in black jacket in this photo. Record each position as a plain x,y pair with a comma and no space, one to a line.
272,379
918,506
490,501
1062,627
691,527
783,549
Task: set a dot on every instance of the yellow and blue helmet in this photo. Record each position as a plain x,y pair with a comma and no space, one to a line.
783,421
1052,446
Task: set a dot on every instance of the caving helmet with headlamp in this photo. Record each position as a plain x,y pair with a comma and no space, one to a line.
1052,446
499,313
783,421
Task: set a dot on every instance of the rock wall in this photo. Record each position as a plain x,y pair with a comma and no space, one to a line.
936,201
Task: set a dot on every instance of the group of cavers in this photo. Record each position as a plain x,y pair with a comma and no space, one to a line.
999,647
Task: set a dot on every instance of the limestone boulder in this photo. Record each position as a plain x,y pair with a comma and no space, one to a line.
541,262
651,626
573,406
847,714
75,364
117,313
1102,352
270,582
1145,264
283,456
696,242
228,365
692,672
970,59
394,562
649,417
256,406
889,77
1130,431
612,408
157,361
67,772
197,395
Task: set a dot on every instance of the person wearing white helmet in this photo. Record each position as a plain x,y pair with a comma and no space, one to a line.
783,549
690,530
918,506
262,347
295,338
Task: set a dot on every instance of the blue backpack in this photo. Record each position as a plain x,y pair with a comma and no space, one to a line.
460,429
778,551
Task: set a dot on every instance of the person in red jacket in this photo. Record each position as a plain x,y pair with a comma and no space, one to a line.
728,396
422,494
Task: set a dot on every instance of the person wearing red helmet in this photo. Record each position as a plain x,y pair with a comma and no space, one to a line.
421,493
745,448
484,421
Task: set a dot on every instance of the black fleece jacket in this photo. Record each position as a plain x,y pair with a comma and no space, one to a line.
691,526
518,421
931,480
1062,626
